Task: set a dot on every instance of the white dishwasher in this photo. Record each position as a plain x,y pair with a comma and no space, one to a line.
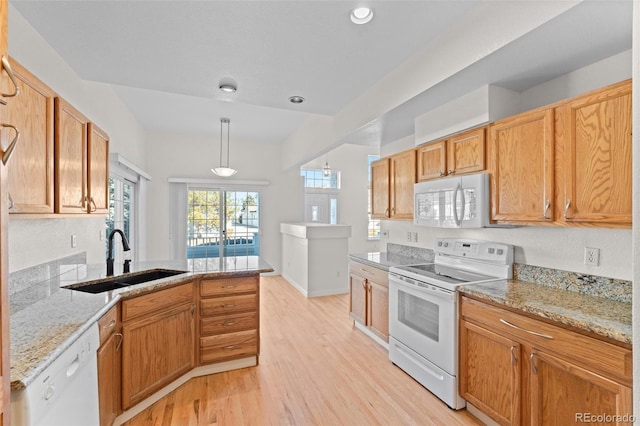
66,392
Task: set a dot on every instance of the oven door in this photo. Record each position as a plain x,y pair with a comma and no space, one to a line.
424,318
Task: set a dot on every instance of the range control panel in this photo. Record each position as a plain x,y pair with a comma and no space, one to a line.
475,249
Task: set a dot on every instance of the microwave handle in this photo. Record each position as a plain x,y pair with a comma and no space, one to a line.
455,205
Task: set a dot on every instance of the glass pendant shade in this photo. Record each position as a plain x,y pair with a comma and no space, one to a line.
224,170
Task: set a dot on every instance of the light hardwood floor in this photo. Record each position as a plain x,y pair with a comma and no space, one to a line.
315,369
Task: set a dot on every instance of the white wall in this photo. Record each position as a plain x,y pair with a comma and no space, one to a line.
352,162
553,247
187,156
32,242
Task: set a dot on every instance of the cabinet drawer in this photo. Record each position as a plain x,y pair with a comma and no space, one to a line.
228,323
107,324
228,346
156,301
596,355
225,286
380,276
223,305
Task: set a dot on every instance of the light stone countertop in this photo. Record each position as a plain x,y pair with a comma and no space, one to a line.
384,260
605,317
46,318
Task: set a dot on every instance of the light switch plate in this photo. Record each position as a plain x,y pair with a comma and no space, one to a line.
74,241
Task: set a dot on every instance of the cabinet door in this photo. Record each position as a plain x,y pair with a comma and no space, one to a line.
402,178
380,189
563,393
522,168
466,152
378,309
31,167
597,156
70,158
490,373
432,160
155,351
109,383
358,300
97,170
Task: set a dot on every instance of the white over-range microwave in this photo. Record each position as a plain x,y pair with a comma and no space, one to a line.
453,202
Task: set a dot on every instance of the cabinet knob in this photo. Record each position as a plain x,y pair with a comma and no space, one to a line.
567,204
442,174
452,172
547,204
534,369
120,342
514,359
7,153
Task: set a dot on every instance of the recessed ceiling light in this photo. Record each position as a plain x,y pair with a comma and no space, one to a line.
361,15
227,87
296,99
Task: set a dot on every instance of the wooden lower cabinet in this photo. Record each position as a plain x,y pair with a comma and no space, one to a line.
109,379
369,298
554,377
491,378
157,348
229,319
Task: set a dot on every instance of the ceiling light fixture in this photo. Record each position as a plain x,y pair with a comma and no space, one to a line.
227,87
224,170
326,170
296,99
361,15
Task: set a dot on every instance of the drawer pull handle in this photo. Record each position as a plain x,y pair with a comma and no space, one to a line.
514,359
547,204
7,154
228,286
231,347
228,305
119,344
534,369
367,272
567,205
110,325
546,336
229,323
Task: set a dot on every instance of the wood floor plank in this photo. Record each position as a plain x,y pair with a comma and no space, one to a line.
315,368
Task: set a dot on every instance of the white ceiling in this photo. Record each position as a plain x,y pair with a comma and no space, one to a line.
166,58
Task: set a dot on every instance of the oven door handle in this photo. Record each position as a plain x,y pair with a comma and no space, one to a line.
416,290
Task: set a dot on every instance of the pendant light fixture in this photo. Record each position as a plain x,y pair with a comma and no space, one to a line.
326,170
224,170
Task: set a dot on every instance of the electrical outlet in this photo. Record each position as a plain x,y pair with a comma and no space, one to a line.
74,241
591,256
409,236
102,234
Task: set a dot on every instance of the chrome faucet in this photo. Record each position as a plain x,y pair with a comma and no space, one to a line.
125,247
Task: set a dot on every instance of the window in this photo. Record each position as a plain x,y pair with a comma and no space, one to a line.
222,223
321,195
120,216
374,224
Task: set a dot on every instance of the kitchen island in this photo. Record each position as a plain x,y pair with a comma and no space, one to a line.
47,318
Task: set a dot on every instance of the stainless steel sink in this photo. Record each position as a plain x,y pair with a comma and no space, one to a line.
122,281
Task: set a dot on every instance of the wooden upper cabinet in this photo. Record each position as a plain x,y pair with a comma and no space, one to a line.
70,158
594,142
432,160
522,167
466,152
380,189
31,167
98,169
402,172
81,162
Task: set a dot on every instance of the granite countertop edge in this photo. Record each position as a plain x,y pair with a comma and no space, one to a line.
27,366
598,318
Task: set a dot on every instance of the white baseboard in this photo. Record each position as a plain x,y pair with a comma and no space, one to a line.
371,334
196,372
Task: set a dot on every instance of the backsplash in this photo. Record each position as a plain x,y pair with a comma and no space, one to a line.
420,254
24,283
609,288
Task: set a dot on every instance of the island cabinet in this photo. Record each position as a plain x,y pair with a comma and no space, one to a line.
369,298
81,162
229,318
31,167
158,340
593,140
459,154
109,366
522,370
